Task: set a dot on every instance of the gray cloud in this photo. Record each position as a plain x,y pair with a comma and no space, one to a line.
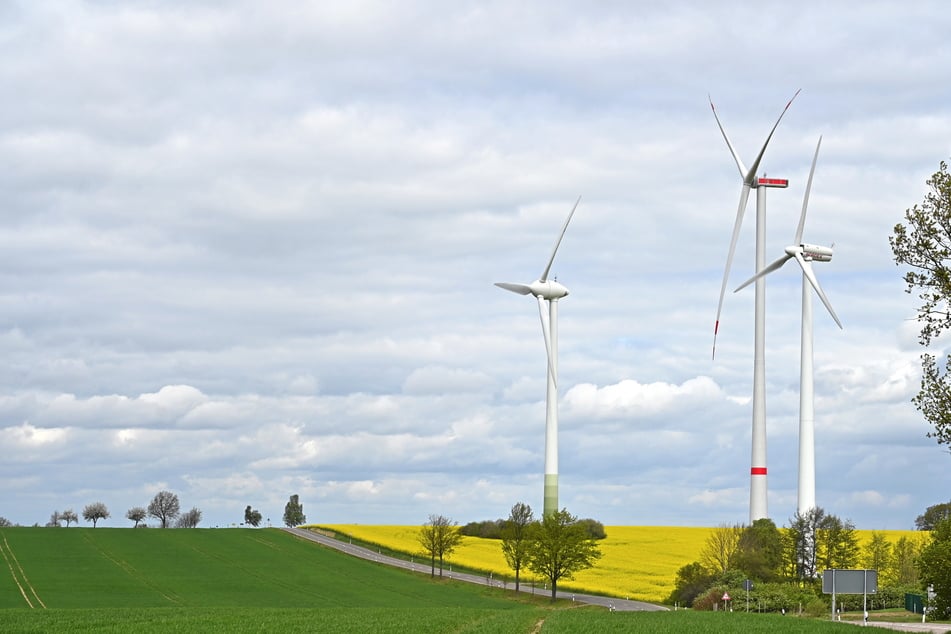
248,251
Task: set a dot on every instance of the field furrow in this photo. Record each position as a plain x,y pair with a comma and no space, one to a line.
19,576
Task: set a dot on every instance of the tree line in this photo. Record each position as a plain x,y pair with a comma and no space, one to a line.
492,529
785,566
166,508
553,547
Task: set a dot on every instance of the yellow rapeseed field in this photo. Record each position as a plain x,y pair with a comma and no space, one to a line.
638,562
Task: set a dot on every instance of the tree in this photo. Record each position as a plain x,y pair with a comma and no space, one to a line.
760,551
934,564
837,543
925,246
932,515
515,538
5,522
560,547
439,537
721,548
252,517
55,519
692,581
164,507
69,516
294,512
136,514
189,519
95,512
904,559
801,544
877,555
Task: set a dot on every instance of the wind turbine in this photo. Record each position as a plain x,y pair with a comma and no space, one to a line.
805,254
750,181
551,291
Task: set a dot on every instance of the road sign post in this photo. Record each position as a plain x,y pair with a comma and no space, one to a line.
861,582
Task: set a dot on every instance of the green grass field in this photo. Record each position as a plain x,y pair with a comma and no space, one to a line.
584,620
242,580
113,568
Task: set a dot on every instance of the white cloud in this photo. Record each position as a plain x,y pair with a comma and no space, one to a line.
442,380
630,398
28,436
714,498
250,252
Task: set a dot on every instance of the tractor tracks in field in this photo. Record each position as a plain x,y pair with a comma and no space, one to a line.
132,571
19,575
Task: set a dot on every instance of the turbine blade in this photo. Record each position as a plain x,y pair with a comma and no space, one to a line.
544,276
805,198
749,176
766,271
729,144
807,271
521,289
744,197
546,331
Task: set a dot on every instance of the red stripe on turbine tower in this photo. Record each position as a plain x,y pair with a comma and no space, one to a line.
757,470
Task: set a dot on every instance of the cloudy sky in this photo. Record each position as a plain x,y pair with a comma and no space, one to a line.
248,249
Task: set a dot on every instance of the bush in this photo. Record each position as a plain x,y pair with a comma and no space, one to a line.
765,597
692,581
594,528
706,601
773,597
492,529
487,529
891,597
816,607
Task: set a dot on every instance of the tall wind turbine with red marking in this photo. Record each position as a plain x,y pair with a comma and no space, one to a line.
758,504
551,291
805,254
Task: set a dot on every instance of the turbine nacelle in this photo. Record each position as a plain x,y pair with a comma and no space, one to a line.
803,253
547,289
748,176
812,252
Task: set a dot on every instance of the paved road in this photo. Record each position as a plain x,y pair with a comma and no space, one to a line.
366,553
931,628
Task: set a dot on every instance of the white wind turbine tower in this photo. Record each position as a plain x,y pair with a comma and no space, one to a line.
758,454
804,254
551,291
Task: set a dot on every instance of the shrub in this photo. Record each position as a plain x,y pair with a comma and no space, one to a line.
692,581
773,597
712,597
891,596
486,529
594,528
816,607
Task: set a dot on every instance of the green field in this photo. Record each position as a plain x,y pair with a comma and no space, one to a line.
113,568
242,580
